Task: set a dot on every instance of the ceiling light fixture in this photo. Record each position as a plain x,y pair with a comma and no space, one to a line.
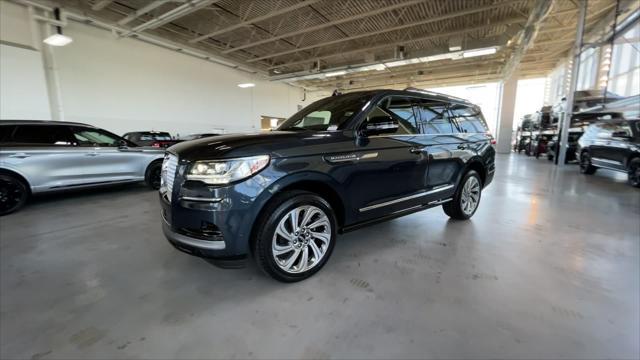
479,52
57,39
246,85
335,73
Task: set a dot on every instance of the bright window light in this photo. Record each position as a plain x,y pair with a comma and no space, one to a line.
58,40
479,52
335,73
246,85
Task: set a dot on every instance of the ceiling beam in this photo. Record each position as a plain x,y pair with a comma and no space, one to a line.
143,10
377,11
404,42
386,30
254,20
101,4
171,15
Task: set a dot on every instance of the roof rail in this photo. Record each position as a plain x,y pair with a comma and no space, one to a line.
427,92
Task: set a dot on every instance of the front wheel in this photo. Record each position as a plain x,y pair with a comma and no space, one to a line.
296,236
634,173
466,199
13,194
152,175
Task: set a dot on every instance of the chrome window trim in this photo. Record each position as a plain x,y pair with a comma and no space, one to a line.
410,197
200,199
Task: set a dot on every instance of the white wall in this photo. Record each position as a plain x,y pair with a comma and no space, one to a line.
126,85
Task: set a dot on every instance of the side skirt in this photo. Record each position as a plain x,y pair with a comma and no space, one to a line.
393,215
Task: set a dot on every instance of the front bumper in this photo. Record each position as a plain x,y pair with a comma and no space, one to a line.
190,245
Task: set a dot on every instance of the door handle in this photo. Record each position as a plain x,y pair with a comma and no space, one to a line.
462,147
19,156
91,154
416,150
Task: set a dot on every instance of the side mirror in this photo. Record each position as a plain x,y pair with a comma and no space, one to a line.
381,125
122,143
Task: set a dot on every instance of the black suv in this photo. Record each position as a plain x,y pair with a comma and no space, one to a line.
341,163
613,145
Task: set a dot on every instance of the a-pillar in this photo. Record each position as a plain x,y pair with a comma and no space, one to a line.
508,90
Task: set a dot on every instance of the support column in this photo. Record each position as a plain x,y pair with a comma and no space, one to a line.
568,112
508,90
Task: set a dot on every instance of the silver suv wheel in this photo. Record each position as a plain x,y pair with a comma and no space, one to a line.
470,195
301,239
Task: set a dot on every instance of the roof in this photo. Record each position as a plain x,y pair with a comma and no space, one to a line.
41,122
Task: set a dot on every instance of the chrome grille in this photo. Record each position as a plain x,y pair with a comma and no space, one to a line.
169,166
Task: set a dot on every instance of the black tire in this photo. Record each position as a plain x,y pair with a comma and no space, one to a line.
585,164
634,172
152,175
277,211
549,157
455,208
14,193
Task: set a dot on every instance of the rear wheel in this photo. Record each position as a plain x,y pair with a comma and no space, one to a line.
152,175
296,236
634,172
549,157
13,193
585,164
466,199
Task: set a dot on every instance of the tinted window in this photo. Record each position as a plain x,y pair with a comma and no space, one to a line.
469,119
95,137
434,117
331,113
5,132
42,135
398,108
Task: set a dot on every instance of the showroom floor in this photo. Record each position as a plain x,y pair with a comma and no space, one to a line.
549,266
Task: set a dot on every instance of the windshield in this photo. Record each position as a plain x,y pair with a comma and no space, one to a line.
331,113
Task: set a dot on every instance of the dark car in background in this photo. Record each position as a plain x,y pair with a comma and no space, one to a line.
339,164
158,139
48,156
613,145
572,146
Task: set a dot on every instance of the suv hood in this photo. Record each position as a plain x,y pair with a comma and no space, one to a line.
274,143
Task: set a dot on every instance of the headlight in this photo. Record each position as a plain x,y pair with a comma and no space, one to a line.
218,172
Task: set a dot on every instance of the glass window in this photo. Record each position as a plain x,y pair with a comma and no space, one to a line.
5,132
434,117
42,135
396,109
95,137
468,118
588,69
624,78
331,113
155,137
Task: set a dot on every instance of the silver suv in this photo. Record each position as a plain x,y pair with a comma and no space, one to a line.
46,156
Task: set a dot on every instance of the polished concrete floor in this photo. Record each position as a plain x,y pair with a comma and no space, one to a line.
548,268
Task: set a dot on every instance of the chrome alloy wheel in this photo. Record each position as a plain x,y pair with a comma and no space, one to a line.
301,239
470,195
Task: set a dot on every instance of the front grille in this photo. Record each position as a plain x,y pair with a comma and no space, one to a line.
169,166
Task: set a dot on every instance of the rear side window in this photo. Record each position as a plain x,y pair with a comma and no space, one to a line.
43,135
434,117
468,118
95,137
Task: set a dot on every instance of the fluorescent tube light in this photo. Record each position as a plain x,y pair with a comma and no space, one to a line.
402,62
58,40
479,52
335,73
378,67
246,85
